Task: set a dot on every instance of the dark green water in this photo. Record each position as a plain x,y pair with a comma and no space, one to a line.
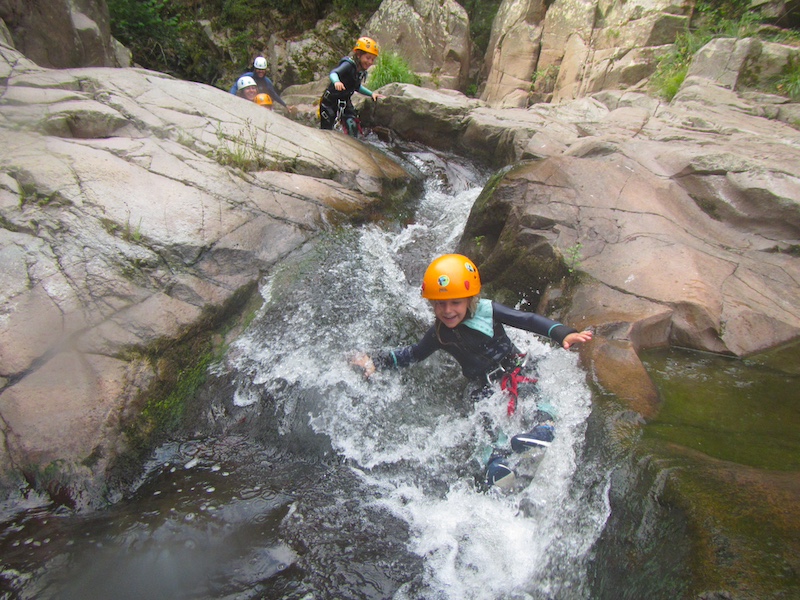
743,411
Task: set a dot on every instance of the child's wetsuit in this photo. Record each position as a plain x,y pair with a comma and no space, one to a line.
353,79
480,344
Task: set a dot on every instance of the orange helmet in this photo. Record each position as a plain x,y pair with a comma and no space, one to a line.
366,44
450,277
263,100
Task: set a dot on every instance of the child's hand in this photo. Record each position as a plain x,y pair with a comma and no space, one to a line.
365,362
339,86
577,338
376,96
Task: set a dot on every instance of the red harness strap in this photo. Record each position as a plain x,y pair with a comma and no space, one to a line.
510,383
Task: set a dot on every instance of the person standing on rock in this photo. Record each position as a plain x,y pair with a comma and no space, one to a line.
472,331
264,83
347,79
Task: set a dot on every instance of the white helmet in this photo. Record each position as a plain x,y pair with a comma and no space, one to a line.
260,63
245,81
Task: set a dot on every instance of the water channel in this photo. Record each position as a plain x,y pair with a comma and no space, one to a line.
299,479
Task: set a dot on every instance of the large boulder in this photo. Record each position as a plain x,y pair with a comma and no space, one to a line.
135,207
61,34
713,284
433,117
742,64
513,53
451,121
622,51
570,49
432,35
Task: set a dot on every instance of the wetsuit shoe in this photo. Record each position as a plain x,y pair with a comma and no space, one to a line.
539,437
499,473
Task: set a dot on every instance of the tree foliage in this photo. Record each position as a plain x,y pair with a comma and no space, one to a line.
481,17
167,35
161,37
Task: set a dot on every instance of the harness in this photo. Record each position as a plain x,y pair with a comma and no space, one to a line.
351,127
339,100
510,374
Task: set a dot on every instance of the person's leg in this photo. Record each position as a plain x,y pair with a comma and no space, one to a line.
350,119
352,127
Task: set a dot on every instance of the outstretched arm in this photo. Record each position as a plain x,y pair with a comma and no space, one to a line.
536,323
368,92
273,93
399,357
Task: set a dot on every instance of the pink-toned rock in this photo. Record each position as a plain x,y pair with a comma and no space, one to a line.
135,207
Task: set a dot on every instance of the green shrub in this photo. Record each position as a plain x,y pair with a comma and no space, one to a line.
132,21
544,80
391,68
290,16
788,84
162,38
345,7
712,23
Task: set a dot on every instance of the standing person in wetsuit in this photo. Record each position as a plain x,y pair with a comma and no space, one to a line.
472,331
347,79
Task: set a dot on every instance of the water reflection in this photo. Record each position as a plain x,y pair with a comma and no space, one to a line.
744,411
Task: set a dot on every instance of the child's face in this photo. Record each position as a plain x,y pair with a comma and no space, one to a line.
451,312
250,92
367,60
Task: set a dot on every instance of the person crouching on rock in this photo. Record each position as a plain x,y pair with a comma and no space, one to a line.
264,83
347,79
472,331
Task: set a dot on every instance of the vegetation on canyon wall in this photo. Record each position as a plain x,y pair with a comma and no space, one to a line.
732,19
175,36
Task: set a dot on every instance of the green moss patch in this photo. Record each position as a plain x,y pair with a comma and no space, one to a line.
726,436
726,408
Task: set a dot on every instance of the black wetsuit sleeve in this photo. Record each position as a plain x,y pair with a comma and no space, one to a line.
408,355
532,322
348,75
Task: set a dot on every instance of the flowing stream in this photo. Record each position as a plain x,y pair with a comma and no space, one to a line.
301,479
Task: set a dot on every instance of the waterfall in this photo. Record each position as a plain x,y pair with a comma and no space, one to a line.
411,436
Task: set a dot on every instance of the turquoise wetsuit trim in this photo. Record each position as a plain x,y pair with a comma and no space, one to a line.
483,319
549,331
394,359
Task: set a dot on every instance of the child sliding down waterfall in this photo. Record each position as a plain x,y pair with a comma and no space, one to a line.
471,330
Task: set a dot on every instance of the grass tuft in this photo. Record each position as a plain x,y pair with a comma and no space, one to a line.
391,68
